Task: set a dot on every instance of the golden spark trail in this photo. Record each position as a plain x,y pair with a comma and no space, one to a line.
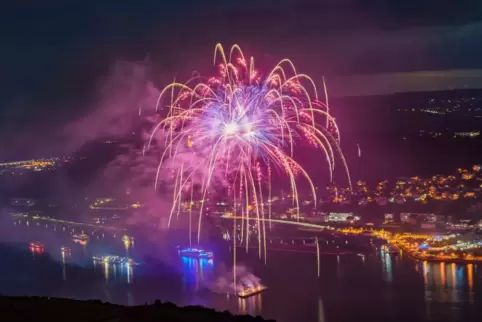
211,170
247,208
180,191
269,196
258,223
234,241
263,219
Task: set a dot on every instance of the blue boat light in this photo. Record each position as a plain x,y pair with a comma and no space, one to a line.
196,252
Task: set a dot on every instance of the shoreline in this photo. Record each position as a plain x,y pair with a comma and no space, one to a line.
436,260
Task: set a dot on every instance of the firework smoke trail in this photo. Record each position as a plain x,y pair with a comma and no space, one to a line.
238,127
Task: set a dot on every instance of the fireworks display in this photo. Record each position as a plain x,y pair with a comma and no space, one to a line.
240,129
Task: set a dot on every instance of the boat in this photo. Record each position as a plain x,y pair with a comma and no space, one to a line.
114,260
195,253
251,290
37,245
65,250
83,237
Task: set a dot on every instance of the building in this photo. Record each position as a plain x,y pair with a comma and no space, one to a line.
319,217
22,202
426,225
410,217
342,217
440,219
471,134
389,217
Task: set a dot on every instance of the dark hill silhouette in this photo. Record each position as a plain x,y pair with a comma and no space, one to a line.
21,309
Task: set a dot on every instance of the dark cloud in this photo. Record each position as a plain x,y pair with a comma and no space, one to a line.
56,50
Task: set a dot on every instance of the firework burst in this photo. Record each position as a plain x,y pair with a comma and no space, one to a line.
242,125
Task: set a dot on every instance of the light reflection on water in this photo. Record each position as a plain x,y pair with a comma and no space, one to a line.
386,261
321,310
116,272
252,305
64,269
197,272
448,284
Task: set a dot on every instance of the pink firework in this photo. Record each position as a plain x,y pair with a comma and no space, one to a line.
239,126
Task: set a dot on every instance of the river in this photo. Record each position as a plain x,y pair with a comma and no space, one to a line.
376,287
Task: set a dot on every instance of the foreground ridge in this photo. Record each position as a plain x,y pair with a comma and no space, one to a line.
21,309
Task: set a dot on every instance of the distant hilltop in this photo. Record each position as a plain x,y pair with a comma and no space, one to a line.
415,81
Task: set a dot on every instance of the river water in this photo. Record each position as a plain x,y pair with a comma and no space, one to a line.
376,287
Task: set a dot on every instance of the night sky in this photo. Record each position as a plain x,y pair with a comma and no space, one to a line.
55,50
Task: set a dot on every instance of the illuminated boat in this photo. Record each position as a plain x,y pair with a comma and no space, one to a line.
81,237
251,290
37,245
195,252
114,260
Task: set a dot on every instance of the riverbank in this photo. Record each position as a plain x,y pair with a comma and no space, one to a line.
20,309
65,222
413,250
438,260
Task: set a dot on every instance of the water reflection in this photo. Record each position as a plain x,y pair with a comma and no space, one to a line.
197,272
470,278
106,271
116,272
425,270
251,305
434,291
448,282
77,246
386,261
339,272
130,274
64,269
321,310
